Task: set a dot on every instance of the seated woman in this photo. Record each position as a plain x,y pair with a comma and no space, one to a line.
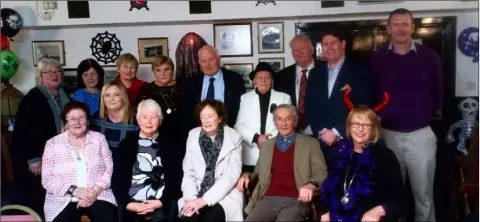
254,121
90,81
115,119
365,183
212,166
76,171
147,175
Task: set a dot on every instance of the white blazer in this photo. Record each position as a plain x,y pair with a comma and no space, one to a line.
248,122
227,172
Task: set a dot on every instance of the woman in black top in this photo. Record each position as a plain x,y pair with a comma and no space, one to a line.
365,183
169,94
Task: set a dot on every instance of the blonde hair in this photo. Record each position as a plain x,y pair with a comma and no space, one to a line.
44,63
371,116
162,60
126,102
127,58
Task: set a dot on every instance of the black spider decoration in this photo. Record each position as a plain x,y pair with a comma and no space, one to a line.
265,2
106,47
138,5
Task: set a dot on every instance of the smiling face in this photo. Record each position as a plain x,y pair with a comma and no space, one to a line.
361,129
401,27
113,98
302,51
76,122
127,71
148,121
51,77
90,78
210,120
263,81
333,48
284,121
163,74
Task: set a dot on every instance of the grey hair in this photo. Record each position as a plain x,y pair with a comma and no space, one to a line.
301,37
208,48
291,108
150,105
44,63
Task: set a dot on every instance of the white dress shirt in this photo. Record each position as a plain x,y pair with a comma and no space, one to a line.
308,129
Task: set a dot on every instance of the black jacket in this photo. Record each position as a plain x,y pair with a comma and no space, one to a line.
125,157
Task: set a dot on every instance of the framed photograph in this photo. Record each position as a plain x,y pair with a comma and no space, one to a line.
243,69
233,40
277,64
270,37
48,49
365,2
70,81
149,48
110,73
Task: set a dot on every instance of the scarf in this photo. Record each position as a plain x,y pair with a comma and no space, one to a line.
283,142
56,104
210,151
361,185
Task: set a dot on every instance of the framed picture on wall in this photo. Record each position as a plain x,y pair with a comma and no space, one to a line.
277,64
110,73
149,48
48,49
233,40
243,69
270,37
70,80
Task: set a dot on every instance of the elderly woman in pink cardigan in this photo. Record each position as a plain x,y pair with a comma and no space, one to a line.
76,171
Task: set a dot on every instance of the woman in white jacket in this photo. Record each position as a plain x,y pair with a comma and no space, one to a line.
212,166
255,118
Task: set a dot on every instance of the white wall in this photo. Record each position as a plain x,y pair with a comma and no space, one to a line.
78,39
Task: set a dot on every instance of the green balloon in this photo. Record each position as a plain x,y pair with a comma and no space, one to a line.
9,64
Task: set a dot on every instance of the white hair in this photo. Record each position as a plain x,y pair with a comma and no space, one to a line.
289,107
150,105
44,63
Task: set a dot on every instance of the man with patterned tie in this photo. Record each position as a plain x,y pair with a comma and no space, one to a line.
292,80
213,82
326,113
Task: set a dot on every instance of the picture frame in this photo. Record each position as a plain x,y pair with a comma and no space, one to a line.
50,49
110,73
149,48
244,69
271,37
367,2
277,64
233,40
70,80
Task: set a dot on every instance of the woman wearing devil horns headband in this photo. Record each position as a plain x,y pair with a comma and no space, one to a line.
365,183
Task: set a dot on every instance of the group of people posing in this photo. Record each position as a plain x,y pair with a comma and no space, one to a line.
336,133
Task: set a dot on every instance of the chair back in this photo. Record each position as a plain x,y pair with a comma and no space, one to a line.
31,215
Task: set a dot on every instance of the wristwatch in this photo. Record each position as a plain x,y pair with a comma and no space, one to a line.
71,189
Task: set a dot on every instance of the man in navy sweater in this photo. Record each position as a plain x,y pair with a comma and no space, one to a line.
412,75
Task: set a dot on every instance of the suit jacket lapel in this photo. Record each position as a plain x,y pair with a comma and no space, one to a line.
297,153
337,85
269,145
292,78
226,79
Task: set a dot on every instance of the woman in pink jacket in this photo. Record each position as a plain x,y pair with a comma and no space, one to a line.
76,171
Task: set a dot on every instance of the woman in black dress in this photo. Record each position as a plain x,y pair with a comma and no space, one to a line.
169,94
365,183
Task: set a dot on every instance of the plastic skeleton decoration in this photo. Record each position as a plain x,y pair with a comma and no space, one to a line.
14,21
469,109
265,2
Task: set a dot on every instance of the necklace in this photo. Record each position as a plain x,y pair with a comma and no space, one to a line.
78,155
169,110
346,199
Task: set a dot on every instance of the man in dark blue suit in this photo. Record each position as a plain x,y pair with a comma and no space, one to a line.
324,107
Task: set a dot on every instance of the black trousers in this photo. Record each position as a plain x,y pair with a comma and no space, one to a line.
207,214
100,211
167,213
246,168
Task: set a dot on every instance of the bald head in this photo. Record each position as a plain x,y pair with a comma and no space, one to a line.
209,60
302,50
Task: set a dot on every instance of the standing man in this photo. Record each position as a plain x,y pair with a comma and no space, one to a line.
292,80
412,75
324,106
213,83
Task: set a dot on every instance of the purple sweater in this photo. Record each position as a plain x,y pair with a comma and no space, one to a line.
414,82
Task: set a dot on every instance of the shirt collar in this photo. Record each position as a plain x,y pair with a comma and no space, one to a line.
283,142
299,69
217,76
339,64
412,46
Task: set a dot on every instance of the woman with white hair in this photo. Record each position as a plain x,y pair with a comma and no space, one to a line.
38,120
147,174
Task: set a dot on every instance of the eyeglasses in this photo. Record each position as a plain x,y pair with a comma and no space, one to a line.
356,125
75,119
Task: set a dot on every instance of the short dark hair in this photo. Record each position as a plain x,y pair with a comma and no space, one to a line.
400,11
216,105
84,66
335,32
72,106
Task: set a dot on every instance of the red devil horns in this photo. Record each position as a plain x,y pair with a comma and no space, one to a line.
378,107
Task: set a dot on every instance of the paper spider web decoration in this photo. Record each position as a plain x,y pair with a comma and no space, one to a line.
106,47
